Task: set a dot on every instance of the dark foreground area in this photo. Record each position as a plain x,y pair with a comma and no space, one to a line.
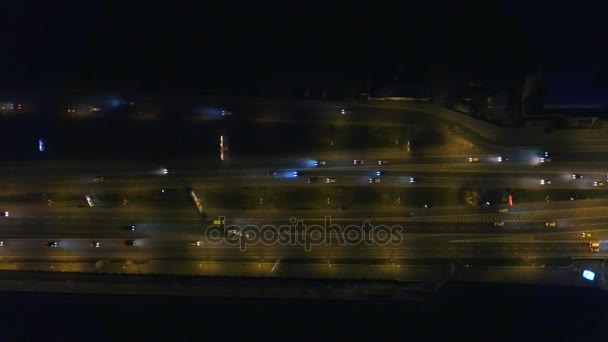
478,311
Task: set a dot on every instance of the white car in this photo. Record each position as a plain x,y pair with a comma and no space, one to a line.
545,182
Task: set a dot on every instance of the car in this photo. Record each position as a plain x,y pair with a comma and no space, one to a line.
130,242
499,159
473,160
330,180
313,179
89,200
164,171
585,234
545,182
99,179
196,243
94,244
271,173
1,243
598,183
52,244
499,224
594,250
320,162
382,162
577,176
226,113
379,173
550,224
545,159
503,210
344,111
357,162
297,173
412,180
5,214
375,180
237,233
132,227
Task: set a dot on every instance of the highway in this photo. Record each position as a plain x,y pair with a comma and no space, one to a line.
416,195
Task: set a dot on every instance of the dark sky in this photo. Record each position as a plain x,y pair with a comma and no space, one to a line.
190,45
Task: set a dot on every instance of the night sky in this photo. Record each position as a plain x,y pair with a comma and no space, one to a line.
208,44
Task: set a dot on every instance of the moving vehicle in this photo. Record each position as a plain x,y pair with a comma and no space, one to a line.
320,162
237,233
550,224
1,243
357,162
375,180
503,210
5,214
330,180
313,179
473,160
598,183
196,243
99,179
218,221
297,173
89,200
379,173
382,162
271,173
130,242
132,227
52,244
94,244
594,246
226,113
499,224
586,234
412,180
577,176
545,182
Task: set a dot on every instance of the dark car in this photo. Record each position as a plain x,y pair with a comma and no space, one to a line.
52,244
131,227
313,179
130,242
271,173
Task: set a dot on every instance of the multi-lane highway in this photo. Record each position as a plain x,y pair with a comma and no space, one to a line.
415,192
